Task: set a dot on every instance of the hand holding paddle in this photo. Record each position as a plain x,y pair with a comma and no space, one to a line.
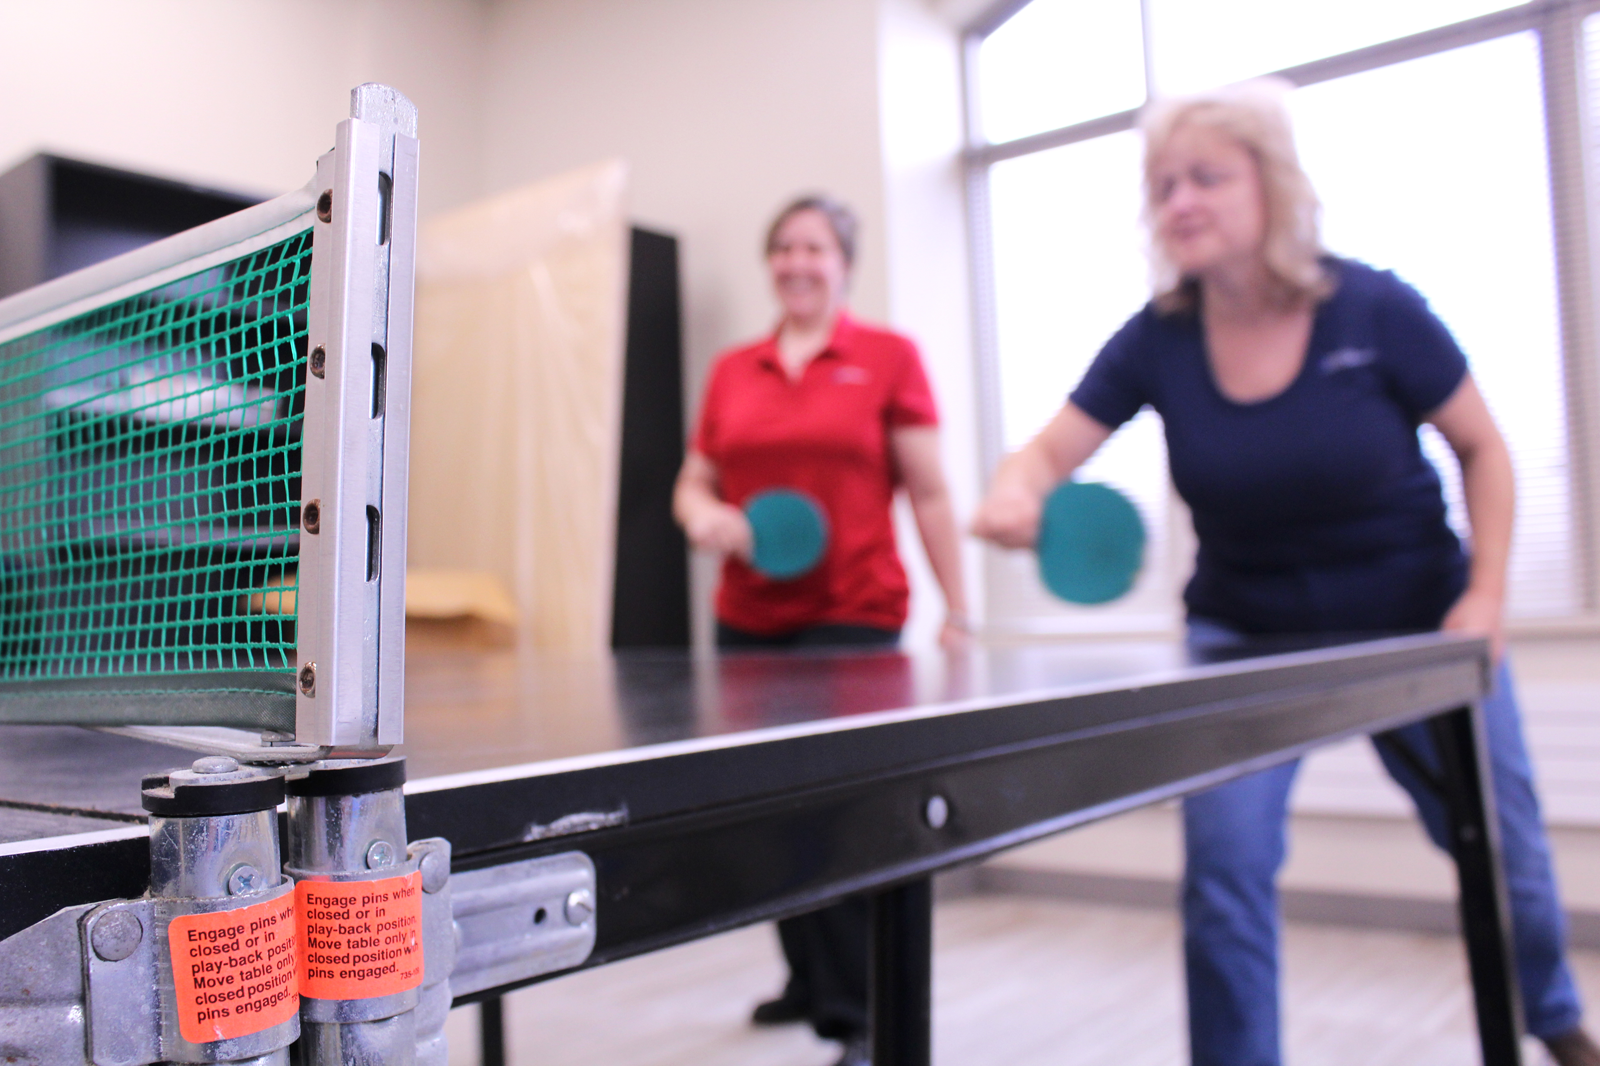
781,533
789,532
1009,516
1090,539
1091,543
719,527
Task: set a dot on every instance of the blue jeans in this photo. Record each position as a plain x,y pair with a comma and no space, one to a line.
1234,838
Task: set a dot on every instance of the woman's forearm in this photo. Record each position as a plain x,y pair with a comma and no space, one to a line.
1487,481
1028,469
694,491
916,458
1009,514
936,524
708,522
1489,485
689,498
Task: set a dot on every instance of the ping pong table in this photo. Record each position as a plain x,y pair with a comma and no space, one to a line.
204,541
597,809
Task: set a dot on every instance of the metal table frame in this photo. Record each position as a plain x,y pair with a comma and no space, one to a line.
693,838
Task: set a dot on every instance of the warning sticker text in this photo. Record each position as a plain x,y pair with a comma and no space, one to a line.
234,971
360,938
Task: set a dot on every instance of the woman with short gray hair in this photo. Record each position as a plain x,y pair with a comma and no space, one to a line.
840,411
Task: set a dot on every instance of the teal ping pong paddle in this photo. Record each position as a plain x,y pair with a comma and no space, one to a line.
790,532
1091,543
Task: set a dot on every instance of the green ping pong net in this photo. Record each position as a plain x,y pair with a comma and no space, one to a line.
161,563
149,492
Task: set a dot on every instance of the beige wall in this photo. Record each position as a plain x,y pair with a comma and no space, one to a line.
726,108
722,108
241,94
919,87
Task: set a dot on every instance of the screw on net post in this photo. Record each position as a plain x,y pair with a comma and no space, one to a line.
1091,543
790,530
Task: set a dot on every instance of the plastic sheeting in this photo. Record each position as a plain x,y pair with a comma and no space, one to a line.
517,399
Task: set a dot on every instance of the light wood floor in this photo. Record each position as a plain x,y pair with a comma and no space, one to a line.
1018,982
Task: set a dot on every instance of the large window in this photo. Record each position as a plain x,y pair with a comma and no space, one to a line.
1429,128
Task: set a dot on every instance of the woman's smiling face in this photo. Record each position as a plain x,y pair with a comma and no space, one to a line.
808,267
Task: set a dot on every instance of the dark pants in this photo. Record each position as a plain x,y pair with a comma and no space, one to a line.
830,635
828,953
827,950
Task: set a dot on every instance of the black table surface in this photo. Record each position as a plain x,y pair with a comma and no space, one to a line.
711,793
475,716
469,712
513,755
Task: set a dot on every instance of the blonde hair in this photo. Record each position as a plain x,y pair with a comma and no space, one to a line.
1254,115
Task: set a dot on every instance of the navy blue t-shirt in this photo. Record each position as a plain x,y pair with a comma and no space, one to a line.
1315,509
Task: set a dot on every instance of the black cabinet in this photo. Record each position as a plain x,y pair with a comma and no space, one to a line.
58,215
650,603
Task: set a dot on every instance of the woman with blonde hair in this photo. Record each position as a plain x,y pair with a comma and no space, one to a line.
1291,385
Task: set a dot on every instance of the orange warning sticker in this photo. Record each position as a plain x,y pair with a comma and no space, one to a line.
360,938
235,971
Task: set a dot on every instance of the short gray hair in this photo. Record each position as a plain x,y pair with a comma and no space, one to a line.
840,218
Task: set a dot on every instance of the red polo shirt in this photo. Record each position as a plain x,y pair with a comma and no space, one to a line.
826,434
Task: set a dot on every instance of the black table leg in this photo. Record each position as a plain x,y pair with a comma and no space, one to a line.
492,1032
902,975
1485,918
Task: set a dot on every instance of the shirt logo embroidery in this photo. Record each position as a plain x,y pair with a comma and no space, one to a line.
851,375
1346,359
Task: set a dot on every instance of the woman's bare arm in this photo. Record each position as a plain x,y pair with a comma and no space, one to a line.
916,457
1009,515
708,522
1489,484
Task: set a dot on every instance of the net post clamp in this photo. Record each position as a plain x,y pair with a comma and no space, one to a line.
523,919
378,935
202,969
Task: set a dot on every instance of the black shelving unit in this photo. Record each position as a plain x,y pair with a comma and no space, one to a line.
650,599
58,215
